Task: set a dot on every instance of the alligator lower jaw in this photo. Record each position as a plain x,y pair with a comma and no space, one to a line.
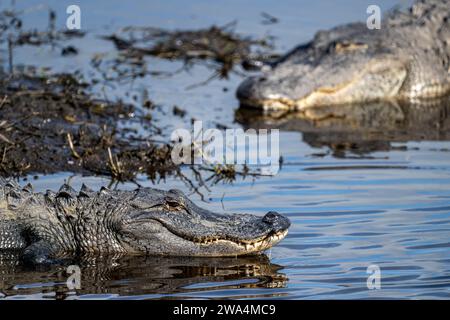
286,105
248,246
311,101
237,247
270,104
306,105
319,99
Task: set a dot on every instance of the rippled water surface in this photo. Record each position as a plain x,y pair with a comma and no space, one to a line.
384,202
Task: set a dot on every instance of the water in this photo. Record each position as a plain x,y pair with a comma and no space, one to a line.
387,205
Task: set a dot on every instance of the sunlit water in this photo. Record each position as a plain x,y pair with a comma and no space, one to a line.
387,208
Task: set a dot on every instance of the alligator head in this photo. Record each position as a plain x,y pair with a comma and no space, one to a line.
143,221
168,223
407,58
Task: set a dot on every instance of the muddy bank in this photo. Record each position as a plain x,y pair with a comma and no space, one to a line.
51,124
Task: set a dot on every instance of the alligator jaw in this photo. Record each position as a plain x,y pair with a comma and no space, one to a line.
236,246
219,247
275,104
379,79
209,234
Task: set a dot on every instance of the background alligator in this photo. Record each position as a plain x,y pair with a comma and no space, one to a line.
408,58
143,221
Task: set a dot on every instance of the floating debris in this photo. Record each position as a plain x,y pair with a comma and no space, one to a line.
219,47
268,18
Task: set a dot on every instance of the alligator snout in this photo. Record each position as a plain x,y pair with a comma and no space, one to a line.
261,91
248,89
276,221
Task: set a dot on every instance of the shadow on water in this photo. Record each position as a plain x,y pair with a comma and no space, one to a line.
359,128
146,277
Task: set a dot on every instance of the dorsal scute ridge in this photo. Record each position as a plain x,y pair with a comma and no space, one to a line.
85,191
66,191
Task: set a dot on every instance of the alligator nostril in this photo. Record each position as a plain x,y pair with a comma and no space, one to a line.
262,79
277,221
271,216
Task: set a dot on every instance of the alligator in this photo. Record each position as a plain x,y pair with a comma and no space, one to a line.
50,225
407,59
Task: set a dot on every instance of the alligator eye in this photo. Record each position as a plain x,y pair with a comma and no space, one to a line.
344,47
173,204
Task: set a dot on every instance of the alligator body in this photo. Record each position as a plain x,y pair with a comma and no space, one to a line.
407,59
144,221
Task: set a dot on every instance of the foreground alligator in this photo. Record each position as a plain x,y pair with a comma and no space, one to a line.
144,221
408,58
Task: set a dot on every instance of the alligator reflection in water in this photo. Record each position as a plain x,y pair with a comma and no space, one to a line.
359,128
140,275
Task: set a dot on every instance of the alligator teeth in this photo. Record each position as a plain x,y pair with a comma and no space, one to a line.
258,245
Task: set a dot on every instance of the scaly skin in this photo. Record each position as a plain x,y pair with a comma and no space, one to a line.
143,221
407,59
